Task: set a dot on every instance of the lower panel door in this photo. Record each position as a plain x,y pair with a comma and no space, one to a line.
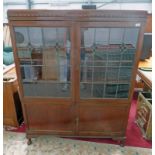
98,120
49,118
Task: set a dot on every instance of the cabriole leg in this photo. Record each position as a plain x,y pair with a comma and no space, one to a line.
29,141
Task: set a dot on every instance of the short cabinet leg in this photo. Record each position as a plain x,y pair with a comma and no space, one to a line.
122,142
29,141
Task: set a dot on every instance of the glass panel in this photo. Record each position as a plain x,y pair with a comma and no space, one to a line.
44,55
46,89
107,58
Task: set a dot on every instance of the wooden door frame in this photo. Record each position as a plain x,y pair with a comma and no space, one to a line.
119,24
64,24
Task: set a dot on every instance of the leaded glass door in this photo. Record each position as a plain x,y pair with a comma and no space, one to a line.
45,60
107,57
45,67
106,64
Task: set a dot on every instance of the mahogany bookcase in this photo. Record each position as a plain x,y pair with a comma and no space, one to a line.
76,69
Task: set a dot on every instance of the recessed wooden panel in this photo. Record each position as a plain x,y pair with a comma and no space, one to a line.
50,117
102,119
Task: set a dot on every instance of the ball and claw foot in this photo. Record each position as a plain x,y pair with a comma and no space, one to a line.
122,143
29,142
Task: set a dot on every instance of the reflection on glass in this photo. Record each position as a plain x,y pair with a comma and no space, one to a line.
44,55
107,58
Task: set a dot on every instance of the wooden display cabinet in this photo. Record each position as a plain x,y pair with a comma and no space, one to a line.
12,110
76,69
